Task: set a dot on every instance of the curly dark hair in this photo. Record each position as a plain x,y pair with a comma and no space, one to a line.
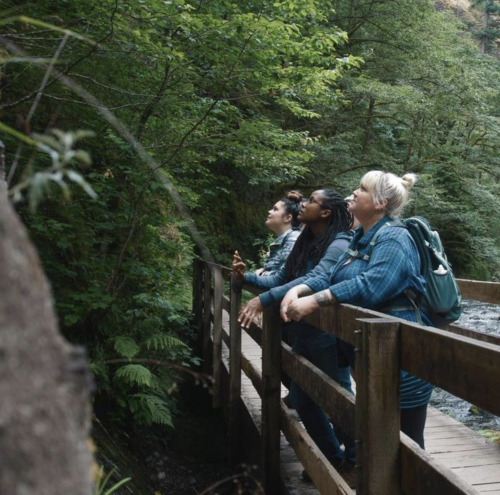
307,246
291,203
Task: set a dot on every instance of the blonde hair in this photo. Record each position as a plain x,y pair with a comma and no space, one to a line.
386,186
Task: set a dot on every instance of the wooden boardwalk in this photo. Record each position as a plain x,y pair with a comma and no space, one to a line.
472,457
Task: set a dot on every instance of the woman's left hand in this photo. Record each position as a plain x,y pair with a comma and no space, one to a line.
251,310
300,308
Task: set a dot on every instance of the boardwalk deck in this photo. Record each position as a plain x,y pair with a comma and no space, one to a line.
469,455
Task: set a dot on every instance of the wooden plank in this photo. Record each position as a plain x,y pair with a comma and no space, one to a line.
198,301
217,335
271,392
223,270
326,479
474,334
465,367
234,377
207,310
253,373
255,332
341,320
424,475
328,394
480,291
226,303
478,474
377,408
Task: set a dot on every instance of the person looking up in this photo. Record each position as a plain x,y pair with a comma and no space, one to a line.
282,220
375,277
326,234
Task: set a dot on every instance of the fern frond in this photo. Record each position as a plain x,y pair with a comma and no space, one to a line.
125,346
162,341
154,409
134,374
149,326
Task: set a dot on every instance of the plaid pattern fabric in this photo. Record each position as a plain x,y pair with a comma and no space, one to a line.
379,284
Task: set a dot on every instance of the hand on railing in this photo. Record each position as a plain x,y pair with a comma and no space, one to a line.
251,310
291,296
300,308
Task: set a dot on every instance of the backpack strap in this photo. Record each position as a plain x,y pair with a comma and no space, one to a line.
412,297
367,256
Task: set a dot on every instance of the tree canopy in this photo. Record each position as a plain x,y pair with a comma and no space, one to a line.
234,103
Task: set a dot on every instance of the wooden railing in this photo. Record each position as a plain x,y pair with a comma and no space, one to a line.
461,361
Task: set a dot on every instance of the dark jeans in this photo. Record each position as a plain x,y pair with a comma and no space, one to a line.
412,420
413,423
320,349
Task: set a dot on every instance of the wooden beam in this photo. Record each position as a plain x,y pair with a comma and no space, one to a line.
255,332
326,392
234,376
207,310
424,475
253,373
326,480
377,408
474,334
217,338
271,392
480,291
463,366
198,301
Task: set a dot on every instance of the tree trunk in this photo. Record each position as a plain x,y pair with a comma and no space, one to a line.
44,382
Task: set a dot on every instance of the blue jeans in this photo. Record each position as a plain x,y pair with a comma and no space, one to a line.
320,349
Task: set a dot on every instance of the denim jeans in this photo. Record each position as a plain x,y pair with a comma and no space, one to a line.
320,349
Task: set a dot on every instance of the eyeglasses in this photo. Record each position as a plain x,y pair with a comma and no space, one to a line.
312,200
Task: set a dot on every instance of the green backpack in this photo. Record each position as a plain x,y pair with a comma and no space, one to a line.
442,301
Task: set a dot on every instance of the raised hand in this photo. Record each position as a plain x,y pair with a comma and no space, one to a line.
238,266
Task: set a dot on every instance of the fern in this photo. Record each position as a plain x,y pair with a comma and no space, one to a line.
162,341
134,374
126,347
151,409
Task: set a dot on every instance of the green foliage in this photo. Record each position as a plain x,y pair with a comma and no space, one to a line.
237,102
102,482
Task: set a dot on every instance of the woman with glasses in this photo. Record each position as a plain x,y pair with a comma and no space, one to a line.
326,234
376,277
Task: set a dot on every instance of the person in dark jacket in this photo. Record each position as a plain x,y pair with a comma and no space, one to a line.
324,238
282,220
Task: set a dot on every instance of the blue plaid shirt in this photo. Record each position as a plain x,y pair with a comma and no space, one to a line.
379,284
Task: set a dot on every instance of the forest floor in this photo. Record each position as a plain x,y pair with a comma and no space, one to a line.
190,459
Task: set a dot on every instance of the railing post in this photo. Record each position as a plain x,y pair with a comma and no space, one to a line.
271,396
198,300
234,375
377,408
217,335
207,310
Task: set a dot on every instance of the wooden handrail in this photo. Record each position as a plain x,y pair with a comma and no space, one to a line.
460,360
476,290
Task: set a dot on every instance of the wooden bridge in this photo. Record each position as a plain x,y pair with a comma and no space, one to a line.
246,367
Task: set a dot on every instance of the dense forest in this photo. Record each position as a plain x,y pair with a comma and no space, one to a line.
136,130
